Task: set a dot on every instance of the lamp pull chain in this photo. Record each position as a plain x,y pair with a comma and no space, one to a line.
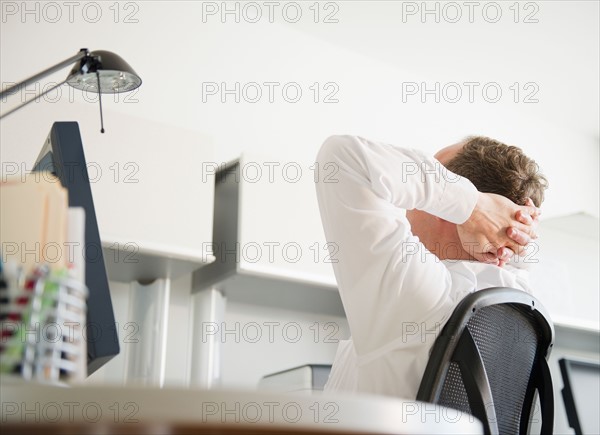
100,101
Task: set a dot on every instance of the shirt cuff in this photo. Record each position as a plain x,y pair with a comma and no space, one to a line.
458,199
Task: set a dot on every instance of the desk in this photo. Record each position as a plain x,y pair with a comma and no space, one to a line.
34,408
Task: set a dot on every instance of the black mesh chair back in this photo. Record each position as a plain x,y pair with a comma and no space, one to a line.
490,361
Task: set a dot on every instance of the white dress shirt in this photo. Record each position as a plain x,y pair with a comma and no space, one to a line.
397,295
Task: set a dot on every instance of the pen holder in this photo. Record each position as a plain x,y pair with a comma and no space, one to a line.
43,323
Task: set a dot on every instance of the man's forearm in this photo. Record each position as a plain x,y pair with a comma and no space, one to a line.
383,271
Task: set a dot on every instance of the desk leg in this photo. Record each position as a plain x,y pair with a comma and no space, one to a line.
209,314
146,354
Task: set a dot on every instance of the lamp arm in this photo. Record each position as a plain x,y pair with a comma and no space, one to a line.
14,109
9,91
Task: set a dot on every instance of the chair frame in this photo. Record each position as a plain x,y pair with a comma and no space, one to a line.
456,344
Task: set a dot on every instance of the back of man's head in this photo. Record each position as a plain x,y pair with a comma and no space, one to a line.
494,167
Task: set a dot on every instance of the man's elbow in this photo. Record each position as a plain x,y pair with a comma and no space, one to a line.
334,148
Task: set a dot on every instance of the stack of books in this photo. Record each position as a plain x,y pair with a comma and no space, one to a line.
42,276
307,379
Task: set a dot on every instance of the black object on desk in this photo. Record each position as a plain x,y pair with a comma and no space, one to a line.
62,154
581,394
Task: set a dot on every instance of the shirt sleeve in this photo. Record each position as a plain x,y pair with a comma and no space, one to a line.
388,281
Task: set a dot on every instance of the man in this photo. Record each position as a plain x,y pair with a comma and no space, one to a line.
413,238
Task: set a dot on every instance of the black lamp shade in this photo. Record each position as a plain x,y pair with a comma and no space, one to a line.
116,75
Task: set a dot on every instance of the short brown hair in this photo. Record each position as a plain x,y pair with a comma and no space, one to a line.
494,167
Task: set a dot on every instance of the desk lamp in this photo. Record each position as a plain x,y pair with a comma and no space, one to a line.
101,72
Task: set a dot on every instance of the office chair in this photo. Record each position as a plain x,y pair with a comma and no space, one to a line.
490,361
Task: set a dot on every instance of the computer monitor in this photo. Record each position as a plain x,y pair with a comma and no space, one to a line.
581,381
62,154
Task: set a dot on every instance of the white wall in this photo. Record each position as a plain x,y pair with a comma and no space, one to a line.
565,270
285,339
368,57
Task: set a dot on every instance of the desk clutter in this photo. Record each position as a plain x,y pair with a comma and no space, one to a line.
42,281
